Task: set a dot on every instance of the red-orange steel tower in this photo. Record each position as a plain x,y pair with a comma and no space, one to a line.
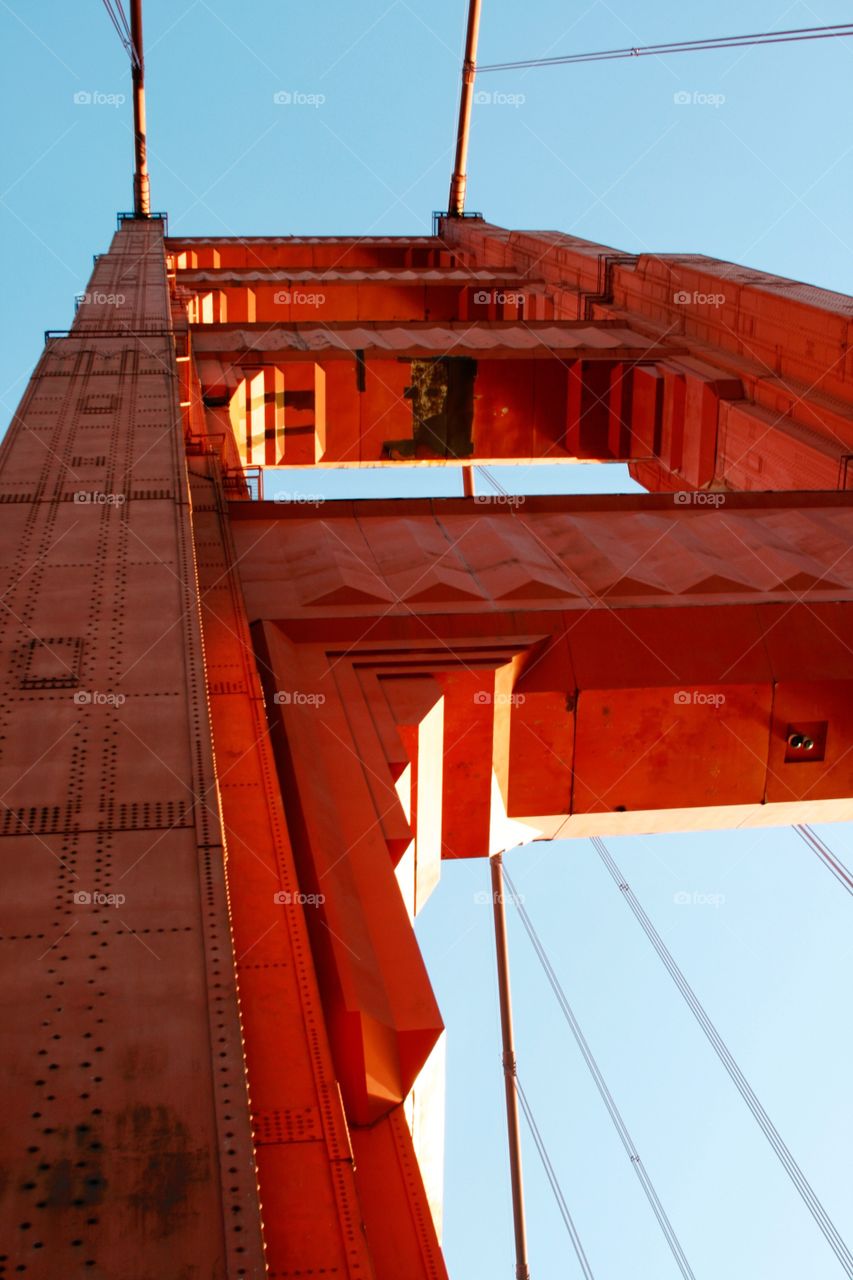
240,735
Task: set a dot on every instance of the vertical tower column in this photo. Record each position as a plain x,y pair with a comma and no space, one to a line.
125,1124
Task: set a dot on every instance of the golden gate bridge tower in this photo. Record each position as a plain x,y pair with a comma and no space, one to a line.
240,736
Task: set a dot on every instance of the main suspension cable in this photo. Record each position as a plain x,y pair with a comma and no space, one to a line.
829,859
601,1084
795,1173
793,35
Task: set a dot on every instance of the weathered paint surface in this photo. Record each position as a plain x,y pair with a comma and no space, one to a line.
239,737
126,1139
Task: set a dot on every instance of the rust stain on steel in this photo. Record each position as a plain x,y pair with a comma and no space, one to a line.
172,1165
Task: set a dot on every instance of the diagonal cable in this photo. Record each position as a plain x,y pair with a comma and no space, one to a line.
709,44
795,1173
118,18
551,1175
830,860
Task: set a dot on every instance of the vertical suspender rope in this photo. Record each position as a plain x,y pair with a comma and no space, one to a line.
459,180
515,1094
601,1085
514,1137
141,195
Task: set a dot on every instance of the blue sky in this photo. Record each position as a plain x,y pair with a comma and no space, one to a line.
605,152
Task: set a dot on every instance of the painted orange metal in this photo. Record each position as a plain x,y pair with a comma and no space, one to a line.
588,650
126,1139
459,178
717,375
261,726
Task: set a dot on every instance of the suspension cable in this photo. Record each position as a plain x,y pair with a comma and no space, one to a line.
600,1083
513,1132
118,18
793,35
795,1173
493,481
551,1175
830,860
113,17
123,18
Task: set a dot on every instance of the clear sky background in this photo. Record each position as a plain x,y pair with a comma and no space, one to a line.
605,152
